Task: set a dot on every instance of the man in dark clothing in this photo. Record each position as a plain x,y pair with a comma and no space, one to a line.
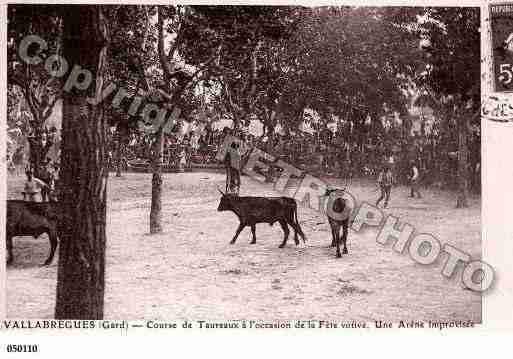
228,170
385,181
414,179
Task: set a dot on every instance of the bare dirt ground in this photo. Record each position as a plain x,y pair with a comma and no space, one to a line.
191,272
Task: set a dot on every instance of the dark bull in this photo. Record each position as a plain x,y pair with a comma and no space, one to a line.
31,219
253,210
337,219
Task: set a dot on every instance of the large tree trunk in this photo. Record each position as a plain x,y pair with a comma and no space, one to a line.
158,144
156,184
119,149
80,279
462,176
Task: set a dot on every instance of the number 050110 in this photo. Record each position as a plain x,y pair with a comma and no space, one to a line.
22,348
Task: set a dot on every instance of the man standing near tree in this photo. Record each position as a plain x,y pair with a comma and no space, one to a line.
33,187
234,161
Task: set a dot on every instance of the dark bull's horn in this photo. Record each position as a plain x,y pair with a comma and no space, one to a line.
220,190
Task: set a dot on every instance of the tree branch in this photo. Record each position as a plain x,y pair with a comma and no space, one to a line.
140,66
32,101
164,60
32,105
177,93
179,36
202,67
49,109
25,88
228,97
254,76
146,28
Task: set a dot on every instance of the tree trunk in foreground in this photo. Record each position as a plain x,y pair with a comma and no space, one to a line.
80,279
156,185
119,147
462,200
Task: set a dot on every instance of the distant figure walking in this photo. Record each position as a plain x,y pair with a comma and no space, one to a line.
182,163
414,181
385,181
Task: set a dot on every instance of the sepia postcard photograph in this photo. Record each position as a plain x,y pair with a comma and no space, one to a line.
149,146
292,170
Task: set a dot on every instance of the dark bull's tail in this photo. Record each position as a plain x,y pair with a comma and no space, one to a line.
299,230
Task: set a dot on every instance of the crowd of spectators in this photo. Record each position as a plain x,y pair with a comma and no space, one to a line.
328,153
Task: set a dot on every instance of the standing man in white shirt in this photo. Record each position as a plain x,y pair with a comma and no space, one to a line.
33,187
235,166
